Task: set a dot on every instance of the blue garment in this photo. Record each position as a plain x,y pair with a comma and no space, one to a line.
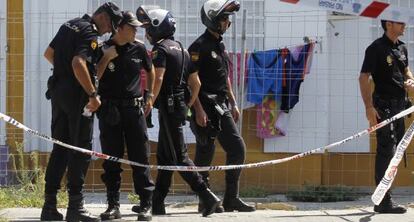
264,75
294,75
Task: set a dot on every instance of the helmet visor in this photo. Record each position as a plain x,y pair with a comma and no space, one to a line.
230,7
143,17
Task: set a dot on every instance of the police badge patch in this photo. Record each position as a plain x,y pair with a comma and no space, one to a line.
111,67
389,60
213,54
194,57
94,44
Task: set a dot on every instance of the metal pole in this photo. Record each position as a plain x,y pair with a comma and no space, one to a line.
242,68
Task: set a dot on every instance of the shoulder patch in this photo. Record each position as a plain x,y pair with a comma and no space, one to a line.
195,57
94,44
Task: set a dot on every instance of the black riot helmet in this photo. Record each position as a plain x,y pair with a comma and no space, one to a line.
114,13
158,23
214,10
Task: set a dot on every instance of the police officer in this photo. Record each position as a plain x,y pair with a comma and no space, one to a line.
386,60
71,88
173,69
121,116
213,117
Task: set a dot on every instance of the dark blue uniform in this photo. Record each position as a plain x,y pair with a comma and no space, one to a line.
168,54
77,37
211,61
386,62
121,119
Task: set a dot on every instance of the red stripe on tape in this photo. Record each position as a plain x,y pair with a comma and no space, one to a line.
374,9
290,1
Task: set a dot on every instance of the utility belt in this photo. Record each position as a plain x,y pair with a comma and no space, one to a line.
109,110
172,102
131,102
393,103
214,103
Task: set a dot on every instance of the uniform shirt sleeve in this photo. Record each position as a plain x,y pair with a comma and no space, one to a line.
190,67
194,52
147,62
159,58
87,43
370,60
57,37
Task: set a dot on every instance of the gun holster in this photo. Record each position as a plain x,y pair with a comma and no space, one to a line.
51,82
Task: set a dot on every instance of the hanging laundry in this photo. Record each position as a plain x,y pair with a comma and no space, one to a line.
246,104
267,115
238,66
264,75
294,74
282,123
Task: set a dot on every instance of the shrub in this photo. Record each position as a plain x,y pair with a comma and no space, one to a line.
28,190
322,193
254,192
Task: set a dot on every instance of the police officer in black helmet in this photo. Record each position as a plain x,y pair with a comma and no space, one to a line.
72,88
121,116
213,117
173,70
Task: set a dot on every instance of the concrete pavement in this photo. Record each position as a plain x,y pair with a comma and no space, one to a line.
184,208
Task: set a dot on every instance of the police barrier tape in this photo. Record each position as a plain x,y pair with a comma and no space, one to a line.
392,169
14,122
365,8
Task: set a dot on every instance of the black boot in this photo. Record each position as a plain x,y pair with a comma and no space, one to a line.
145,213
219,208
158,206
112,212
49,210
231,200
210,202
76,211
388,206
232,204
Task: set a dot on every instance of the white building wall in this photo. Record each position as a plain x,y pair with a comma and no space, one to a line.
42,19
329,107
347,42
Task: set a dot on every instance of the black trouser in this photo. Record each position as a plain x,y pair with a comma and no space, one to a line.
164,154
69,126
129,131
232,143
388,136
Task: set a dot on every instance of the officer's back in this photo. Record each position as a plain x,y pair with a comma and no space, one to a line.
67,44
173,63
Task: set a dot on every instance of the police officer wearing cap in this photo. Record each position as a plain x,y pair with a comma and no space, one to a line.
173,71
215,112
121,115
72,89
386,61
